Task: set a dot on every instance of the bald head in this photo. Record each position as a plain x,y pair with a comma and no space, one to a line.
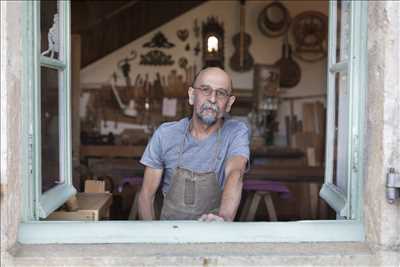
214,72
208,107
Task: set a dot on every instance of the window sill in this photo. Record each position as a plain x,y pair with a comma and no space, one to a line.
342,253
175,232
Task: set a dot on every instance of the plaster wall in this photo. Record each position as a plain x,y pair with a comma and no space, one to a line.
265,50
10,114
381,151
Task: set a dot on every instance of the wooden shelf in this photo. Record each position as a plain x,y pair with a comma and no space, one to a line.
287,174
275,152
111,151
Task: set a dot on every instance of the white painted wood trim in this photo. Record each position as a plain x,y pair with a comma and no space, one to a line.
336,199
54,198
47,232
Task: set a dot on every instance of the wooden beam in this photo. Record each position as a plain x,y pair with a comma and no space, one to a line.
109,15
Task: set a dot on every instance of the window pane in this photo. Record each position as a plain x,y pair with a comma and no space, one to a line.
341,132
50,127
49,29
342,30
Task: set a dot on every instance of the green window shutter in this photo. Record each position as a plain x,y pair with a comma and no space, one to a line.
345,106
51,84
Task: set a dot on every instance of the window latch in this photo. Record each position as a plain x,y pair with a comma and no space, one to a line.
392,186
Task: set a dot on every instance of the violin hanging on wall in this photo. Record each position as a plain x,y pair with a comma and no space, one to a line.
241,60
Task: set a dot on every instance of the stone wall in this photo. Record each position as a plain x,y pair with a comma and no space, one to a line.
383,124
382,150
10,113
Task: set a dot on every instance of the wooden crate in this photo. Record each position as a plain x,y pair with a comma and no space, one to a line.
92,207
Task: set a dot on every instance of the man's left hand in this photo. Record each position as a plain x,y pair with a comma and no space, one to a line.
210,218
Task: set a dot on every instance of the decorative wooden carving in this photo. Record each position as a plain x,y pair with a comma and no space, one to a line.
157,58
309,30
197,49
196,29
182,34
125,67
183,62
159,41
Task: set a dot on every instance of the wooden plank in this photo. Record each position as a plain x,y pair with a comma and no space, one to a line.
275,152
253,207
95,186
305,201
85,215
92,207
115,167
270,207
308,117
303,140
246,206
319,118
293,124
288,131
133,214
282,162
75,105
314,199
311,157
273,173
306,140
93,201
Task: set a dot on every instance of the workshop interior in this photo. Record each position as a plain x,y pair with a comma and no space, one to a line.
132,63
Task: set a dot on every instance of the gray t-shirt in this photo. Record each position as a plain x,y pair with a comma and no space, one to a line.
197,155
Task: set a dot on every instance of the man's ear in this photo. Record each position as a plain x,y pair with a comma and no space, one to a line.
230,103
191,95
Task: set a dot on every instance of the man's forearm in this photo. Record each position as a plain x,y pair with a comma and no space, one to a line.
146,207
152,178
231,195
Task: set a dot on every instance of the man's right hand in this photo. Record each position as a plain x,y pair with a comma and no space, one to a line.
210,218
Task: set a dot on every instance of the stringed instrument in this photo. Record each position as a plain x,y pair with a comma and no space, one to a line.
241,59
290,72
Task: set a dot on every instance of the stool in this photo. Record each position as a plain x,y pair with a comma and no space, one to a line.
262,190
255,203
132,181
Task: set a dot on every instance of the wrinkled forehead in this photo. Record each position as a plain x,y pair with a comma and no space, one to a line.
213,77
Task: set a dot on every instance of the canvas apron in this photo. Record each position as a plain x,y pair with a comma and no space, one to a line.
192,194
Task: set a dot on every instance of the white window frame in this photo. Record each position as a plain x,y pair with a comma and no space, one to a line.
346,204
40,205
33,231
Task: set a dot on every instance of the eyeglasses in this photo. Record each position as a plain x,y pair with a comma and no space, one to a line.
219,93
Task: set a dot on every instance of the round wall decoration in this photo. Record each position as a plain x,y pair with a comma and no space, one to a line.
274,20
309,30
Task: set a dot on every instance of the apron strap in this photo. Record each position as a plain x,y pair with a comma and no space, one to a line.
182,144
217,149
